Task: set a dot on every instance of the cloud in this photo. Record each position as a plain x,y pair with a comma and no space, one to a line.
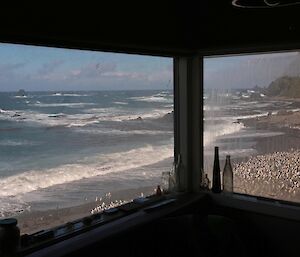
50,67
246,71
162,75
57,75
93,70
7,70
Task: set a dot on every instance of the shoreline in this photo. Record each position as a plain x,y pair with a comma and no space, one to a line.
262,174
108,195
285,122
33,221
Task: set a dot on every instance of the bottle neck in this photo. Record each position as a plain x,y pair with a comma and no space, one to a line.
216,153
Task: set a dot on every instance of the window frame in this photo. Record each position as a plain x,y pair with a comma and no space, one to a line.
176,130
264,205
188,134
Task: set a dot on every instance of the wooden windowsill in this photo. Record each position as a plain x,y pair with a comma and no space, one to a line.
255,204
116,226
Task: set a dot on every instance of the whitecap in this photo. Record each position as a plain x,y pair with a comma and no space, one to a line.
62,104
121,103
20,96
68,94
9,142
86,168
153,98
212,132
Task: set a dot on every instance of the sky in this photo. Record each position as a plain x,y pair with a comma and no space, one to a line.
248,71
35,68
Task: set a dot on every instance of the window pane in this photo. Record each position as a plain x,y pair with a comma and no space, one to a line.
80,131
252,111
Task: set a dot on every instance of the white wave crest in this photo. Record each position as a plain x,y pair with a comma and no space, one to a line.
89,167
91,116
154,98
68,94
109,131
121,103
62,104
212,132
118,114
20,96
8,142
10,206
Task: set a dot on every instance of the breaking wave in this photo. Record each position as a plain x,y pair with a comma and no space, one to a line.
88,167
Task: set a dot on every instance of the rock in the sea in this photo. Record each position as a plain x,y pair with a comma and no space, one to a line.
21,92
167,117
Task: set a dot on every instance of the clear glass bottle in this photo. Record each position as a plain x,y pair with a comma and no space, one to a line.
216,185
172,181
206,182
165,183
228,176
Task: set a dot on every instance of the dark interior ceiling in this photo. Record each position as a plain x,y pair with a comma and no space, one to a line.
169,28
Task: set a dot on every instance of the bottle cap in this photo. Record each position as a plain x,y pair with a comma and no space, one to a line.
227,156
8,222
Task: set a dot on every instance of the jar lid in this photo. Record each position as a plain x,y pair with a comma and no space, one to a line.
8,222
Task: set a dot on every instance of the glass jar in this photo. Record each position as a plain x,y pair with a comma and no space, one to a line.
9,237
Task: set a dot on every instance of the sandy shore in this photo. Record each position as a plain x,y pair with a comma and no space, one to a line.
33,221
274,171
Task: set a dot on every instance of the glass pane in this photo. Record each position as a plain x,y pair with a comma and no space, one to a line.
252,111
80,131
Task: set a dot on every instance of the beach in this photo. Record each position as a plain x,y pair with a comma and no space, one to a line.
68,154
114,156
274,171
104,193
262,137
31,222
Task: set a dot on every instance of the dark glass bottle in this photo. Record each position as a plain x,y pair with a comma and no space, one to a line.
216,185
228,176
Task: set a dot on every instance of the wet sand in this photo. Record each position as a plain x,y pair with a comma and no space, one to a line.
33,221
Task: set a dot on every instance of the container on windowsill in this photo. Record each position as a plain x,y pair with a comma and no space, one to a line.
216,183
165,182
9,237
158,191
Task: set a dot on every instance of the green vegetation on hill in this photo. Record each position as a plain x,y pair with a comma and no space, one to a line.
285,86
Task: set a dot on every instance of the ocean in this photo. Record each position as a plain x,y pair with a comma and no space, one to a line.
61,149
224,116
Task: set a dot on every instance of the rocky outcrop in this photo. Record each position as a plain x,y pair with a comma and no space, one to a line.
285,87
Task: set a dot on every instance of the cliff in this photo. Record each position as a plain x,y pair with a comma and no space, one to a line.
286,86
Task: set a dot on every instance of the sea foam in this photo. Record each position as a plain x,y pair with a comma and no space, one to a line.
211,133
88,167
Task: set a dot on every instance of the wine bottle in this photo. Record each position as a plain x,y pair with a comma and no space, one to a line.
228,176
216,185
